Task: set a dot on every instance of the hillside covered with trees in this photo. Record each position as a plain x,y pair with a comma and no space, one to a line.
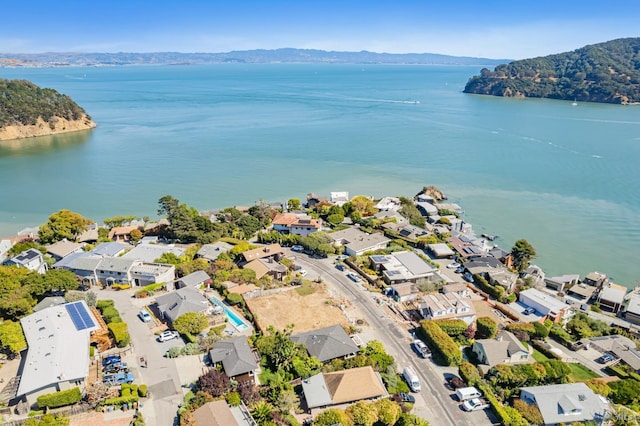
605,72
23,103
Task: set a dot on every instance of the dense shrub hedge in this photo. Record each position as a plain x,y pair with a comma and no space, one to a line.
560,335
486,328
506,415
494,290
110,313
60,399
443,345
120,333
101,304
540,346
469,373
143,390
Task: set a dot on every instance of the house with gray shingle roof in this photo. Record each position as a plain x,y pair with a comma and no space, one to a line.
327,343
193,280
235,355
210,252
111,249
505,348
566,403
64,248
179,302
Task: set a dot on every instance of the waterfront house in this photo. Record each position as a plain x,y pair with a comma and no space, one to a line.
596,279
313,199
401,266
426,208
5,246
31,259
447,306
581,292
566,403
389,203
611,297
463,246
632,310
89,235
505,348
179,302
237,359
536,273
210,252
296,224
546,305
327,343
57,357
560,282
357,242
342,387
339,198
64,248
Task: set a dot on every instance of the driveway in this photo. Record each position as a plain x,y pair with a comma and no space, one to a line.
434,402
160,374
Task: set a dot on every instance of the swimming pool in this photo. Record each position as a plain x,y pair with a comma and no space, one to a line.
233,317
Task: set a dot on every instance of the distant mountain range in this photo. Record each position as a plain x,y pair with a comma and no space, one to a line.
606,72
286,55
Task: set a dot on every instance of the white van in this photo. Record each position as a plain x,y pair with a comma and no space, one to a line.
464,394
411,378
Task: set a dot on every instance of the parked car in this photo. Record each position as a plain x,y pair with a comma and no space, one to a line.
353,277
111,360
144,315
168,335
118,379
342,257
403,397
455,382
302,272
340,267
605,358
453,265
297,248
474,405
420,348
528,311
117,367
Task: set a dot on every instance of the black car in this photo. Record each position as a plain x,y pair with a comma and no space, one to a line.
340,267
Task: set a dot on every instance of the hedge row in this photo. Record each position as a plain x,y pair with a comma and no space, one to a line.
441,343
560,335
107,303
60,399
494,290
469,373
149,289
453,327
506,415
544,350
486,328
120,333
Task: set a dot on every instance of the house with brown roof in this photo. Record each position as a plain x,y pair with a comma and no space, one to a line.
273,251
121,233
64,248
219,413
297,224
505,348
343,387
267,266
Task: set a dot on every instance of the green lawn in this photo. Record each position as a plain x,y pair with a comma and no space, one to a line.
580,373
539,356
306,288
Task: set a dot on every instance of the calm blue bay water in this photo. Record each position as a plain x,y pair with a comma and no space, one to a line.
564,177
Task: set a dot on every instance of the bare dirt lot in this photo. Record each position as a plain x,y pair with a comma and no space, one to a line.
316,310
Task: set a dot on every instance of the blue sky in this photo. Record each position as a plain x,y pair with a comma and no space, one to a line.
493,29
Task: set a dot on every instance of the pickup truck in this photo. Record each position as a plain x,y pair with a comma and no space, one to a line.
474,404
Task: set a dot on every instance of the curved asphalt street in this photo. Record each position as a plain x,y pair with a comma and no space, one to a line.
438,408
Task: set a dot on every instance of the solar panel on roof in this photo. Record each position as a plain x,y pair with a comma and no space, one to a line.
79,315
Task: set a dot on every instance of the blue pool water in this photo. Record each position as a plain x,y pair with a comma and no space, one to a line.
233,317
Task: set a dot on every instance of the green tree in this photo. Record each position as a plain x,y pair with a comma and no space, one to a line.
261,412
48,420
486,328
335,219
11,337
136,235
61,225
388,411
363,204
522,252
118,220
24,246
278,348
408,419
362,413
332,417
191,323
293,203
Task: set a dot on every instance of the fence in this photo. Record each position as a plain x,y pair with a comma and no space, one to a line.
68,412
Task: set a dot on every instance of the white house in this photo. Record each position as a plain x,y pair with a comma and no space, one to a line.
357,242
339,198
546,305
447,306
57,356
402,266
31,259
505,348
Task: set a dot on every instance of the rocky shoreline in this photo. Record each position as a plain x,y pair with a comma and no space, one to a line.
43,128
